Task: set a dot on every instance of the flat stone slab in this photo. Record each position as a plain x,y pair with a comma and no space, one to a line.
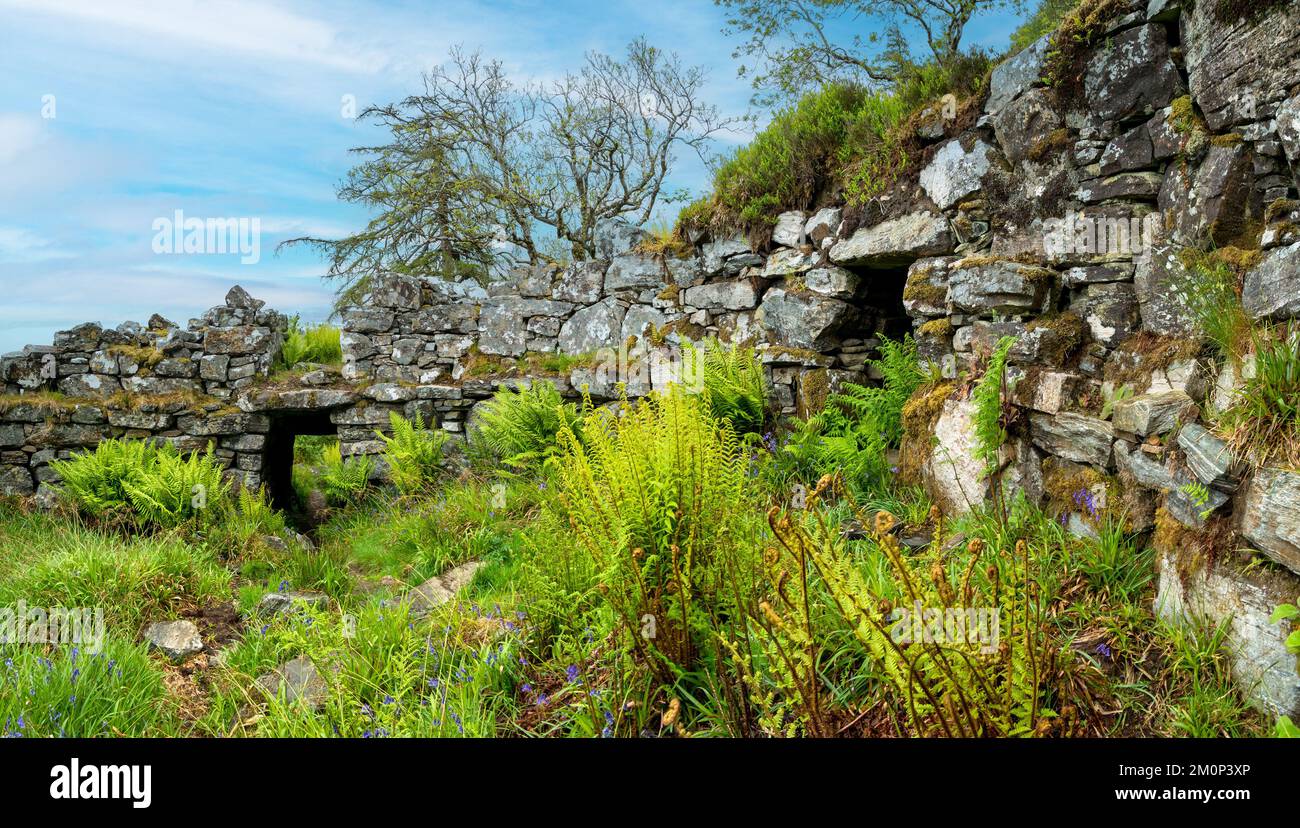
297,680
440,589
177,640
274,603
1270,515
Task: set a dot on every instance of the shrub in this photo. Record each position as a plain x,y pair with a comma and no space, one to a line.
344,481
413,453
143,483
521,424
732,383
311,343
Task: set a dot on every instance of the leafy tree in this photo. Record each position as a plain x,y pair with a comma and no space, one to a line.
481,169
801,45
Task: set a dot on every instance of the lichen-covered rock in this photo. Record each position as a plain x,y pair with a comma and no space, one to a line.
1024,125
1219,201
830,280
297,681
1143,469
593,327
1013,76
390,290
787,262
617,236
1075,437
1209,458
953,473
1153,413
736,294
1272,287
992,286
789,228
1190,590
1111,310
804,320
1158,279
955,173
1270,515
175,639
895,242
16,481
1236,67
89,385
1131,75
823,224
634,270
580,283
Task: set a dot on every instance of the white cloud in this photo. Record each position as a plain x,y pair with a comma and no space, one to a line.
20,245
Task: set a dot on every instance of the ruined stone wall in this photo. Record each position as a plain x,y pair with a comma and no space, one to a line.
1060,215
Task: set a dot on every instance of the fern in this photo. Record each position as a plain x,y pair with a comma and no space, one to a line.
413,453
987,419
521,425
344,481
732,383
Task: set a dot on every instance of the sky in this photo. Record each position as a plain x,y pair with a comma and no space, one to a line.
116,114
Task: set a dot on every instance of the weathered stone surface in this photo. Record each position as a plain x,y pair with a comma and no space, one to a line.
1272,288
1235,67
614,237
276,603
366,320
1146,471
1158,279
297,681
954,173
1025,124
218,424
390,290
580,282
593,327
982,286
1131,75
440,589
1218,202
895,242
1131,151
1153,413
242,339
738,294
634,270
954,474
1209,458
823,224
789,228
175,639
639,319
89,385
832,281
787,262
1016,74
1075,437
1270,515
804,320
1288,127
1111,310
1191,590
1190,504
296,399
16,481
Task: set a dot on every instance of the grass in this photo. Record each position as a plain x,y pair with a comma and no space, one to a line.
319,344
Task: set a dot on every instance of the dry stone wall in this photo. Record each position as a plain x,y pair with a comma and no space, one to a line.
1060,215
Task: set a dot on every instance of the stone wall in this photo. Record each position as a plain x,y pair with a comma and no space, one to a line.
1060,216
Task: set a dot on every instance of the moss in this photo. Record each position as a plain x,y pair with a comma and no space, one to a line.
44,401
814,388
1228,139
144,356
1053,143
1063,480
1064,333
920,289
1280,207
1144,353
1080,29
936,328
670,293
920,413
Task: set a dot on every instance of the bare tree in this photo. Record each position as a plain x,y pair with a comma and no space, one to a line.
480,171
805,44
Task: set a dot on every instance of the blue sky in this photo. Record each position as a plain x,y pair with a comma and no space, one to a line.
233,108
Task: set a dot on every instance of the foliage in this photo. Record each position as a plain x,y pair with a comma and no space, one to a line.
1210,289
478,159
989,397
413,453
311,343
143,483
1046,18
732,380
522,424
1264,415
857,427
797,47
342,480
653,497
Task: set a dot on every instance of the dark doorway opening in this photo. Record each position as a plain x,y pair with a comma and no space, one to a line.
880,296
278,461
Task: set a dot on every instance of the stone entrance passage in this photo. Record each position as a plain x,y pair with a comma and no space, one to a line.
278,459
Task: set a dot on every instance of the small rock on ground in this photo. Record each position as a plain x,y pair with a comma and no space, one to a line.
175,639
